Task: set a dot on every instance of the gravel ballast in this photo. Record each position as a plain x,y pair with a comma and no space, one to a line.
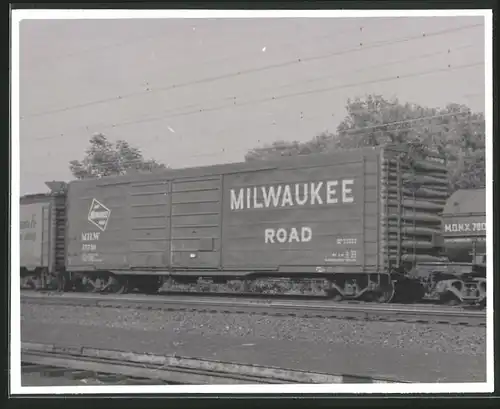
404,350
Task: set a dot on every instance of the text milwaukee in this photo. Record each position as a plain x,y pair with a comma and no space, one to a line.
298,194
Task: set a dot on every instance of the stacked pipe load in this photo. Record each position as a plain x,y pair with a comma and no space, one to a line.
414,189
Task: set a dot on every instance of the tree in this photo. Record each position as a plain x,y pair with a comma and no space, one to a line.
103,158
455,131
279,149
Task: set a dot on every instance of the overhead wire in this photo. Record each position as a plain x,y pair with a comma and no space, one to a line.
361,130
382,131
89,50
366,110
286,96
389,109
336,75
283,64
225,151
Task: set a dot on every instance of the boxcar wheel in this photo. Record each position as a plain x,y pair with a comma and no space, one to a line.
482,304
117,285
449,299
149,286
334,295
386,294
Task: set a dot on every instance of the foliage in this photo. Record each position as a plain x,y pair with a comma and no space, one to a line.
103,158
454,131
282,148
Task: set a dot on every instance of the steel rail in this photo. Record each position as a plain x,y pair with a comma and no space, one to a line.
312,309
258,298
176,369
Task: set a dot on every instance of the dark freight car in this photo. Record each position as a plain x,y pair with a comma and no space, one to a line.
42,236
352,217
464,226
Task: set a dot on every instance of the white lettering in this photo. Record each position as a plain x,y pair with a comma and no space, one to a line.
236,202
287,197
248,198
346,191
346,241
28,224
288,236
269,235
98,215
294,235
281,235
90,236
303,201
315,193
271,194
464,227
306,234
256,204
331,191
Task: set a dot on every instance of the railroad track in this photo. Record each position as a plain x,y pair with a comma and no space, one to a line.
421,313
129,368
59,375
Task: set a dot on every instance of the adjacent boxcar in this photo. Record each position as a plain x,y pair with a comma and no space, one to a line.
42,237
351,217
464,225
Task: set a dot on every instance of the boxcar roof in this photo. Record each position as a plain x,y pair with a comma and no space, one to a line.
238,167
35,196
466,202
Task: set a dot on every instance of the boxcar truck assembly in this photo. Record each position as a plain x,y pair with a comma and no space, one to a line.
464,233
42,237
357,219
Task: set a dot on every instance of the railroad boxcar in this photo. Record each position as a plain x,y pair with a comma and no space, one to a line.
42,237
351,217
464,226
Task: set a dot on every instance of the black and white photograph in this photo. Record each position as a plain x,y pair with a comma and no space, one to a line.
251,201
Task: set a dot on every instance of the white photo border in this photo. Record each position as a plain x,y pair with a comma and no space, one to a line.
15,341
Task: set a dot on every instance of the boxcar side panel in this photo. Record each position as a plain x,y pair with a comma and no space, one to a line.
464,237
34,235
196,218
464,225
98,232
298,217
371,211
149,217
47,234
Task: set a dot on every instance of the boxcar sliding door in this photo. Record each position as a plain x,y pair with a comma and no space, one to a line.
196,223
149,211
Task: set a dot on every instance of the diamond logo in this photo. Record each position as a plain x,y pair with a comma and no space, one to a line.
99,214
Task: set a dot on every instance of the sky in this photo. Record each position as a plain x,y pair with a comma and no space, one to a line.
193,92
